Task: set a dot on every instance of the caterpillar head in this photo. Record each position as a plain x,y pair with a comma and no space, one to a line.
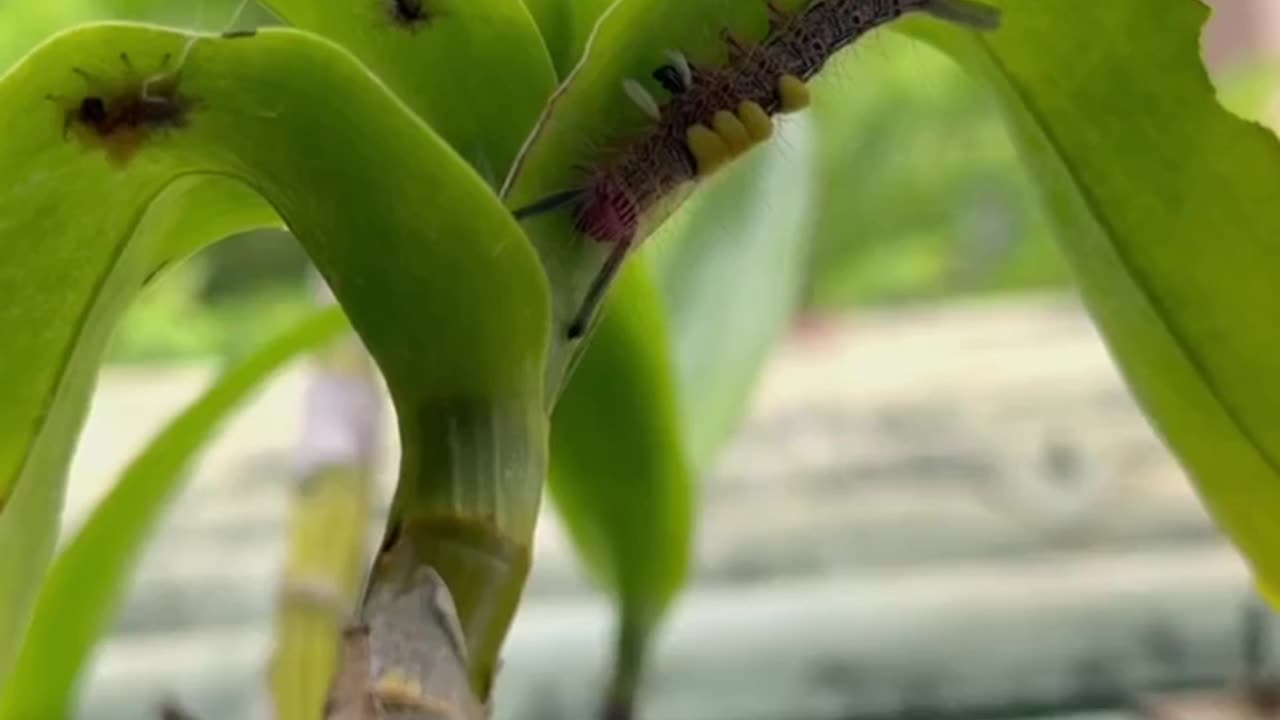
608,213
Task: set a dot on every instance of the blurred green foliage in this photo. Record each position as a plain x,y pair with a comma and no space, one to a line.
227,301
924,195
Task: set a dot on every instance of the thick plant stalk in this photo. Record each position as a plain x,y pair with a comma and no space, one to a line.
409,660
445,585
443,588
472,473
403,654
628,669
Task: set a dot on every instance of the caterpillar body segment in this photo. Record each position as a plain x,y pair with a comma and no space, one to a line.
793,94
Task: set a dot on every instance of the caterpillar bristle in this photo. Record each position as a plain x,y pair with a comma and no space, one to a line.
777,16
643,100
737,48
975,15
682,66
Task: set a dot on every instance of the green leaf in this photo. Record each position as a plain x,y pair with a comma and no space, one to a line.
1165,204
476,71
618,472
78,600
402,229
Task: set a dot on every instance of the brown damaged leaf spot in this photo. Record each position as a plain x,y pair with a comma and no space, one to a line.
122,115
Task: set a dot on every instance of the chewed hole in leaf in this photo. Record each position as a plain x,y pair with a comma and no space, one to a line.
121,114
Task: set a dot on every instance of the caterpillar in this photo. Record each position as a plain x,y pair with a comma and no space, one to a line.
714,114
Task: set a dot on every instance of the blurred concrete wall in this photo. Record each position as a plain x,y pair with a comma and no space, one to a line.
1242,30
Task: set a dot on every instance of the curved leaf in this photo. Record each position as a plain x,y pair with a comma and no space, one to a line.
475,70
1166,207
78,600
403,230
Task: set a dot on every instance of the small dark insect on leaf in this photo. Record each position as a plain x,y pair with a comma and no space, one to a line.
410,13
122,113
93,111
237,34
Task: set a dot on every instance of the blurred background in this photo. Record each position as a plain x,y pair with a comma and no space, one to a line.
941,464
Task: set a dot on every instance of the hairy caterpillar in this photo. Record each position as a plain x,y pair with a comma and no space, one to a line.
712,114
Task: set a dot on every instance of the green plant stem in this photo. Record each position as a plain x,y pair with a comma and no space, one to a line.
628,668
472,474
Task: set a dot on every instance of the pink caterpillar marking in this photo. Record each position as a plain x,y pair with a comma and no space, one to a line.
767,75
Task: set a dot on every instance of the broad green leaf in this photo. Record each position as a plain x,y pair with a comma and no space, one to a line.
475,70
403,230
79,598
1165,204
618,472
566,25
